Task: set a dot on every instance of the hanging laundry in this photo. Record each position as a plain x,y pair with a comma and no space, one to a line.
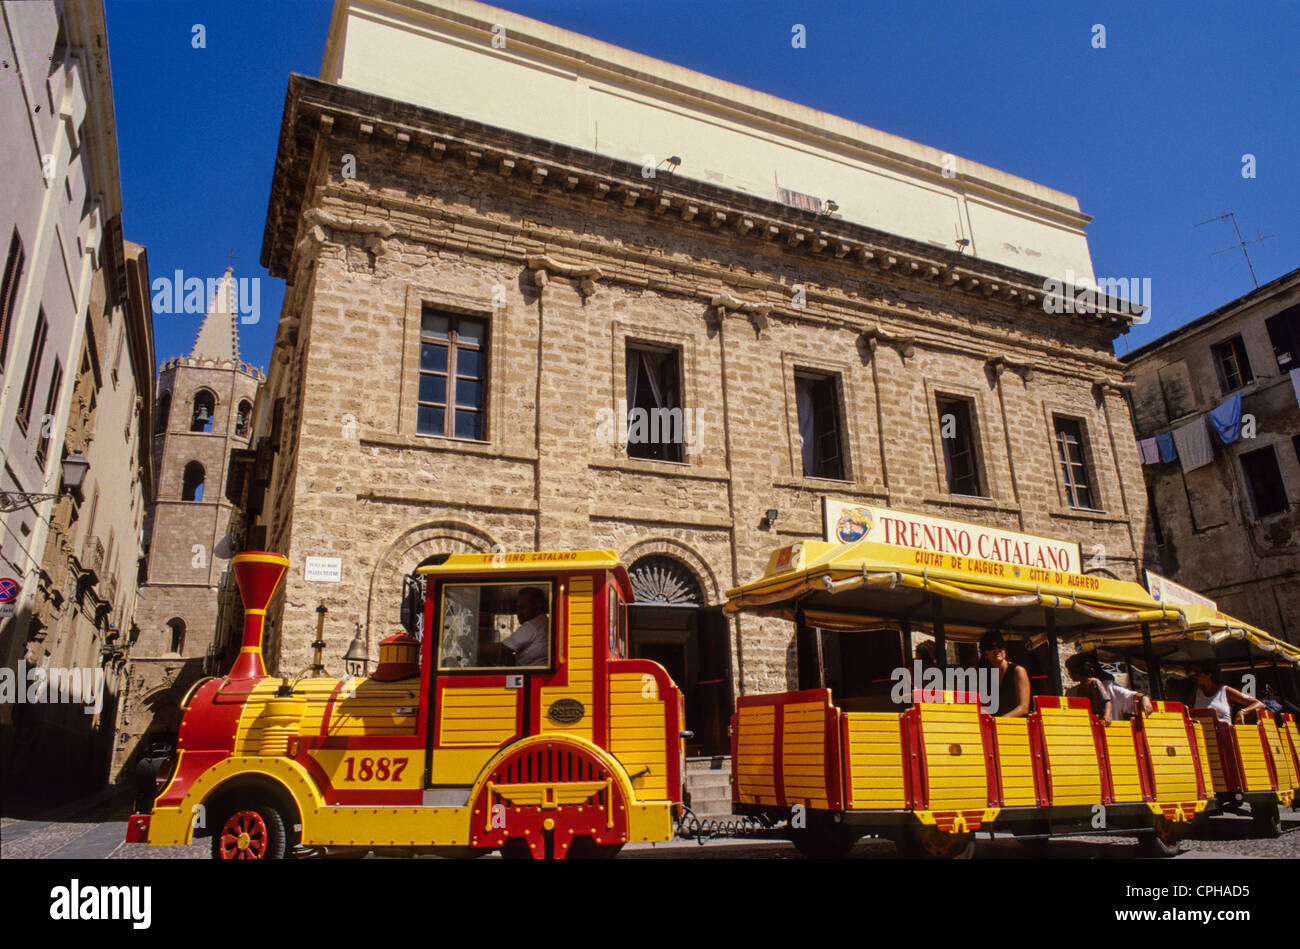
1226,419
1193,443
1150,451
1166,442
1295,382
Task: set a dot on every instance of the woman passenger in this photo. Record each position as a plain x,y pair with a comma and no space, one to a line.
1013,680
1211,694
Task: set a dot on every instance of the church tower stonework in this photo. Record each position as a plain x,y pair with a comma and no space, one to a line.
204,412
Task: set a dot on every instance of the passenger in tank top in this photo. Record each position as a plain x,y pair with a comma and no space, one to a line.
1210,693
1013,680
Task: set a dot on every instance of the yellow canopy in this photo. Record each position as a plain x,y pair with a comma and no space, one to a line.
850,586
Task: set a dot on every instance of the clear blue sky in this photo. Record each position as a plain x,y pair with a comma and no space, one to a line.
1148,133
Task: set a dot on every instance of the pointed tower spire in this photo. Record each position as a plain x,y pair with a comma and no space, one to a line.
219,335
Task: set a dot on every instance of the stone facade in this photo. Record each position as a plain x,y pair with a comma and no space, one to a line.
1206,531
185,612
568,256
78,368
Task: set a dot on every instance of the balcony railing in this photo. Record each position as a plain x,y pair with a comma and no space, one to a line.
92,555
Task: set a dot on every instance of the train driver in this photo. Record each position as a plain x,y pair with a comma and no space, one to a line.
529,644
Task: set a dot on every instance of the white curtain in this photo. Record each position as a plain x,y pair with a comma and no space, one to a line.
804,401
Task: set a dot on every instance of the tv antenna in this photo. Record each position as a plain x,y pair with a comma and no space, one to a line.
1241,242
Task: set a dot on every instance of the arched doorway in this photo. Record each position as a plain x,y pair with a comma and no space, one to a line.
671,623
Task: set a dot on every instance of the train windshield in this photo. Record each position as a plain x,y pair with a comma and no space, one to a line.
496,625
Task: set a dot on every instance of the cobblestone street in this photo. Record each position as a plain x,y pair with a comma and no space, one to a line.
96,829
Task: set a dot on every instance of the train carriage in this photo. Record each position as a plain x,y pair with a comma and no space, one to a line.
470,737
861,748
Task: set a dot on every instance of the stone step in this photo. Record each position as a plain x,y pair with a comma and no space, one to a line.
710,794
708,779
721,765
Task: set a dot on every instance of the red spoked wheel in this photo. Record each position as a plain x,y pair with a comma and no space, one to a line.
250,833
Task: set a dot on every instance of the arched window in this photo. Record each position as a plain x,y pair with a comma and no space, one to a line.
661,580
164,412
242,416
192,488
177,627
204,405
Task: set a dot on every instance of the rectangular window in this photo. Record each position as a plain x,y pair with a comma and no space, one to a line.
9,293
1074,463
1154,514
957,432
1232,365
1264,481
818,400
28,395
481,628
655,426
117,356
453,376
47,420
1284,334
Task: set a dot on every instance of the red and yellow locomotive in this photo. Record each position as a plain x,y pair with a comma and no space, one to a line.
465,740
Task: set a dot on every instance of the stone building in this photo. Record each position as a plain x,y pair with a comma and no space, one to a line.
1229,528
577,233
76,352
203,415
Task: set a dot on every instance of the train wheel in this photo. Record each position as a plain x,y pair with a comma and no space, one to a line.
584,848
930,843
1163,842
1267,820
254,832
824,843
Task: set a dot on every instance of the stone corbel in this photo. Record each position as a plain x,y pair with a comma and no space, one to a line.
1101,384
1000,364
543,266
905,345
757,312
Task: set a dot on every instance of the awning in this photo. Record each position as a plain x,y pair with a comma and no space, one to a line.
852,586
1209,636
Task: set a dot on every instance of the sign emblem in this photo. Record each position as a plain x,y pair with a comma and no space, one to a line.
853,525
8,589
566,711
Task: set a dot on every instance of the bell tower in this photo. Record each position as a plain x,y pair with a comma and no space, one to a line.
204,412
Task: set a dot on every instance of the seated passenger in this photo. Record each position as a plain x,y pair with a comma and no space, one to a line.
1118,703
1081,667
1278,704
1211,694
1013,692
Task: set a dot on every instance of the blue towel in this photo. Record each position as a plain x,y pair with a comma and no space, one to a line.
1167,450
1226,419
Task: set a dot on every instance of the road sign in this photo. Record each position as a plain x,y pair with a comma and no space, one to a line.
8,589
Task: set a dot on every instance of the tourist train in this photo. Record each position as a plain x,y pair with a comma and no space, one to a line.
465,740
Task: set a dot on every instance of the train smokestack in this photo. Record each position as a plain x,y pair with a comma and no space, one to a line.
258,575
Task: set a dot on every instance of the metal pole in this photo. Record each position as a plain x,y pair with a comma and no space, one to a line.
940,637
1153,672
905,629
821,658
1054,667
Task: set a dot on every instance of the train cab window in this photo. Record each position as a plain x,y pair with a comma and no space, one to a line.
496,625
617,620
